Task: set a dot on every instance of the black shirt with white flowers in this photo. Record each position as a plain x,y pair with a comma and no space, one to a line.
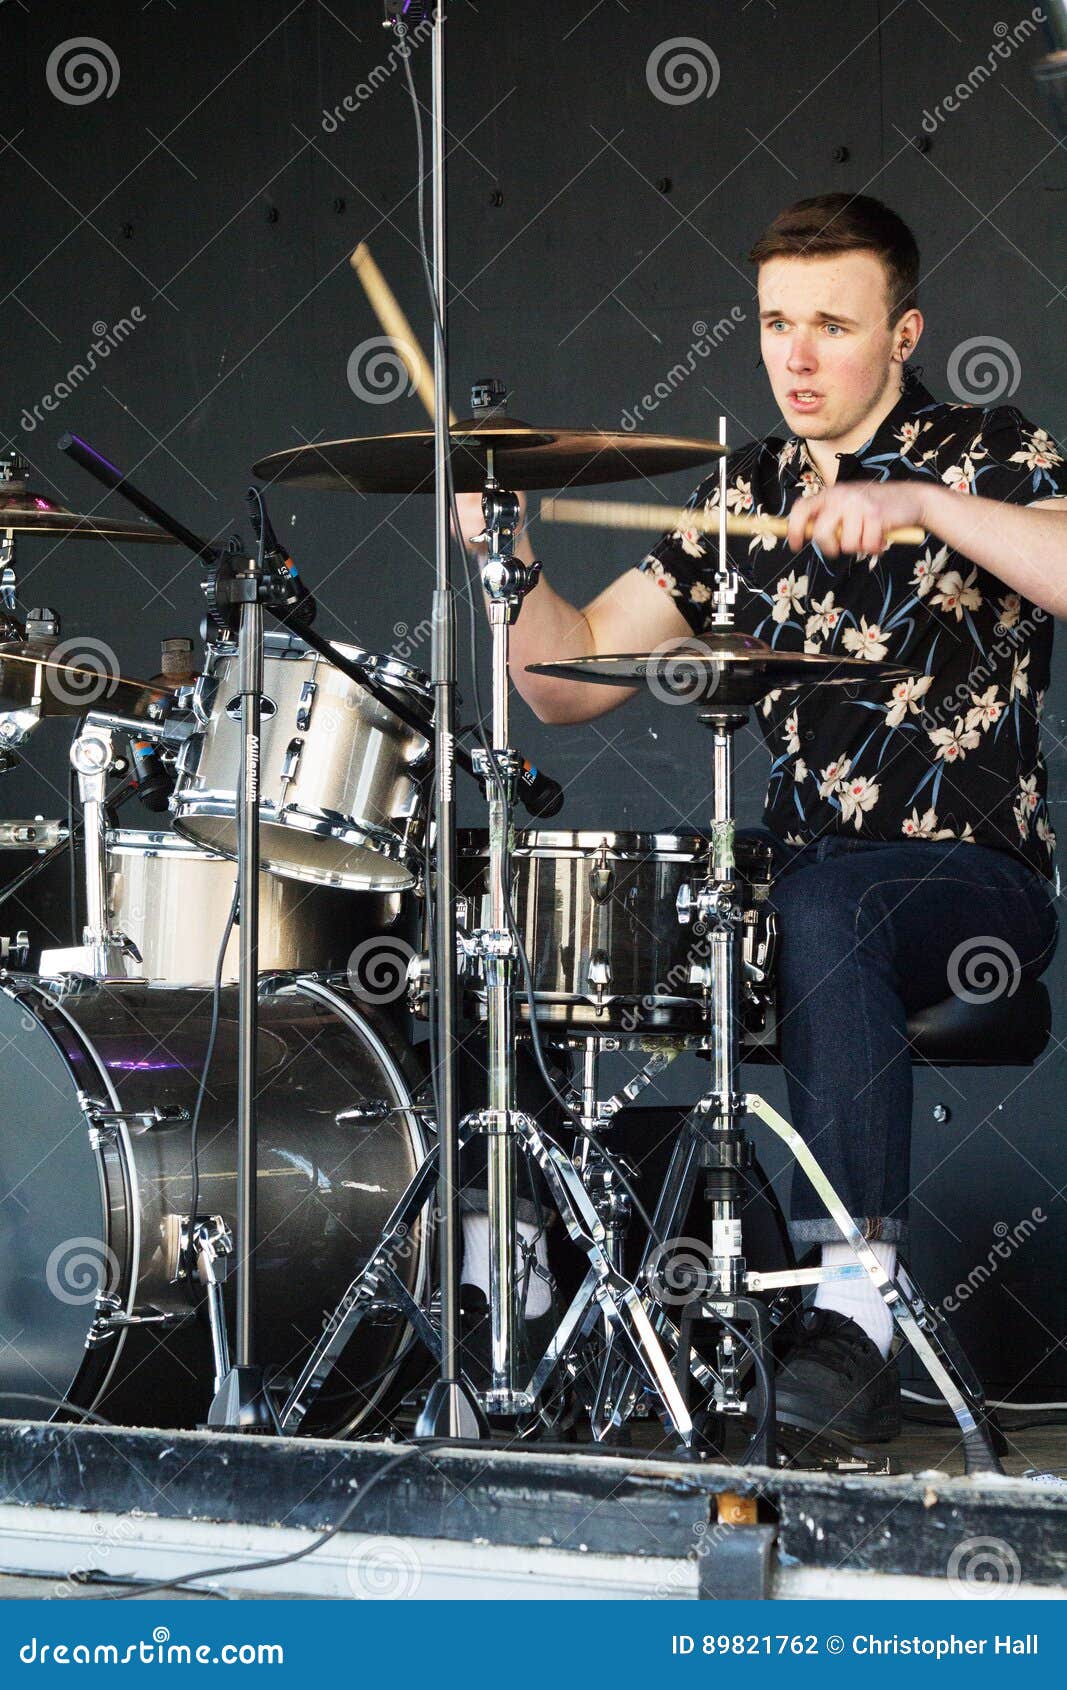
954,752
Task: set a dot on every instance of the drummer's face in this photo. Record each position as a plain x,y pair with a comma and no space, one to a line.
826,341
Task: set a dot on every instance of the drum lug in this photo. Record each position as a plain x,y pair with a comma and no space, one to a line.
418,987
292,754
203,699
15,953
105,1124
111,1318
306,705
601,876
599,977
377,1109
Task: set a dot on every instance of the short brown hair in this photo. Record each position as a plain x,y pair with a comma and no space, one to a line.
847,223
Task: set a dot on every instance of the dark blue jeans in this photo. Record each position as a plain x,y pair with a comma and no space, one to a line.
868,934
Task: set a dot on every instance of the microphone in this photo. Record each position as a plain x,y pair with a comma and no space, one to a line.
155,782
541,795
293,598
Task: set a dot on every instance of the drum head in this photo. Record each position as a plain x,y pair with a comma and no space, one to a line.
56,1259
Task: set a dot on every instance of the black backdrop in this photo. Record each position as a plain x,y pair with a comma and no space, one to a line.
210,198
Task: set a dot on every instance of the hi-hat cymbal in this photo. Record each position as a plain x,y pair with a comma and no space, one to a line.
523,457
30,676
33,513
722,668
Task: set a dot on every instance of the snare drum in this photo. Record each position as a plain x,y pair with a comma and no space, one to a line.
597,913
342,780
171,900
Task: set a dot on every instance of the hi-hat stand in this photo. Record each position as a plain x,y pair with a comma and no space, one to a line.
713,1140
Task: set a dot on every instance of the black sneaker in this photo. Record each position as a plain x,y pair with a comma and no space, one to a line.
834,1379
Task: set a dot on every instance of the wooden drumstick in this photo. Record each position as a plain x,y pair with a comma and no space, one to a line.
599,513
396,325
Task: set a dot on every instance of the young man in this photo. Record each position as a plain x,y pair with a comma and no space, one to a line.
911,828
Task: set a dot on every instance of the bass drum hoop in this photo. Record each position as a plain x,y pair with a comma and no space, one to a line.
121,1214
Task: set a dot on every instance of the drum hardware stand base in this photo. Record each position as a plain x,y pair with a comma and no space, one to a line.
376,1287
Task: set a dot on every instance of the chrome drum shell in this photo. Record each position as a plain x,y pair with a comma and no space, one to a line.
171,899
342,780
597,912
95,1192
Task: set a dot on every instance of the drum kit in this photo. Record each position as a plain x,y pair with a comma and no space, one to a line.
257,1224
204,1072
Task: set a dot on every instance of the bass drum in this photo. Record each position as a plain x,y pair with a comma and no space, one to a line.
95,1174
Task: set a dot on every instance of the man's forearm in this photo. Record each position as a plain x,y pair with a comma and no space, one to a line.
1025,545
550,629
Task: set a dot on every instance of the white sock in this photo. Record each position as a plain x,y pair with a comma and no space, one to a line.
857,1298
476,1261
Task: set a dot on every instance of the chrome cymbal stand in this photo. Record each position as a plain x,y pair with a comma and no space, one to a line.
506,581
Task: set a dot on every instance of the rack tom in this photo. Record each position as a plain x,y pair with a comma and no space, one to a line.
170,901
342,780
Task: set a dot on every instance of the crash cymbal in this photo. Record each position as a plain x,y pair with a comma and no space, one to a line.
523,457
30,675
722,668
33,513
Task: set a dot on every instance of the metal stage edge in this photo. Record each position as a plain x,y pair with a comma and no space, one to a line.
126,1504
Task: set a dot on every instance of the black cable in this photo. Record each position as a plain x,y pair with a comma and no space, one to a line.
421,1449
55,1402
194,1130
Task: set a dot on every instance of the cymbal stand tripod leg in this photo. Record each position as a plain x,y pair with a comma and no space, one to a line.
506,581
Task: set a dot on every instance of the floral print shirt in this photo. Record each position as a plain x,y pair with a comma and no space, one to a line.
952,753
